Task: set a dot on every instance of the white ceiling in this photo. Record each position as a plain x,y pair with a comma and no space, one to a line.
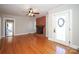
21,9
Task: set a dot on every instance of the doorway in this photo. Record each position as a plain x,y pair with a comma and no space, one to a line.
9,28
62,27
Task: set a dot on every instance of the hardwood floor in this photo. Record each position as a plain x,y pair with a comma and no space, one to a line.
33,44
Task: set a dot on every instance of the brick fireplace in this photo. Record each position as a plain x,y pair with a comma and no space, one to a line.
41,25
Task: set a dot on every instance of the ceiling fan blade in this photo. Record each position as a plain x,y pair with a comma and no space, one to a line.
36,13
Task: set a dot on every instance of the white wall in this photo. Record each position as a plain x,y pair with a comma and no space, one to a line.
75,23
23,25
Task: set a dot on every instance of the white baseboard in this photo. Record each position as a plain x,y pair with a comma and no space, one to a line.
71,45
21,34
74,46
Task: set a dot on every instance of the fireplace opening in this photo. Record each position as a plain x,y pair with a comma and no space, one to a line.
39,29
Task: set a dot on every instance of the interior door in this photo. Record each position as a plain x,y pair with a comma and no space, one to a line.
62,27
9,28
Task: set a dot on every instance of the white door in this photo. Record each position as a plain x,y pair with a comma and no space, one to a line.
62,26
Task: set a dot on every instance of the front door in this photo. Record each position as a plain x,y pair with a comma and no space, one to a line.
62,32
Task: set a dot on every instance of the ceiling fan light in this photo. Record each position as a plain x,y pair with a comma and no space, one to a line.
29,14
32,14
31,11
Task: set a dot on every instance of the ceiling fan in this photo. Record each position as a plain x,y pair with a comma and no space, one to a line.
32,12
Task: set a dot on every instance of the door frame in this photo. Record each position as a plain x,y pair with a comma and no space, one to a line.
13,26
9,19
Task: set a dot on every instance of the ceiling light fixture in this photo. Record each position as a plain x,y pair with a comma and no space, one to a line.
32,12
